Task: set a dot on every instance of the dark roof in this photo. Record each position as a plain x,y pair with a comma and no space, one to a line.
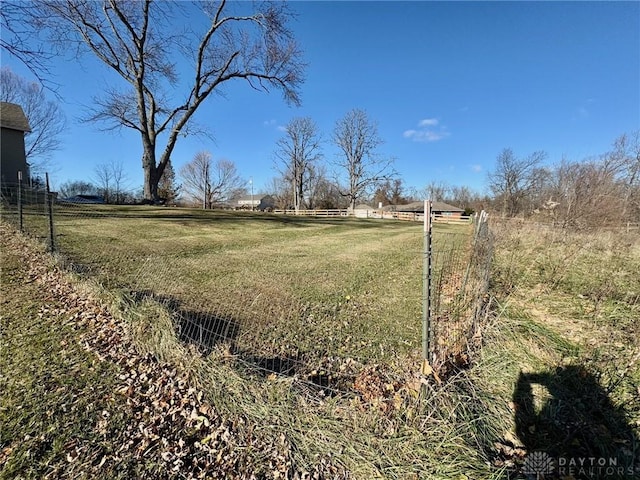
83,199
445,207
12,116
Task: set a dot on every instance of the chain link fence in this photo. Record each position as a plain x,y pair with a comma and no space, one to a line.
330,303
27,209
456,277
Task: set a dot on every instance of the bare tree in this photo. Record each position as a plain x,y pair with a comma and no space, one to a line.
323,192
46,119
18,40
196,179
514,179
72,188
103,178
357,138
327,195
463,197
585,194
281,192
226,183
390,192
208,183
110,178
139,41
298,152
119,181
541,178
625,161
436,191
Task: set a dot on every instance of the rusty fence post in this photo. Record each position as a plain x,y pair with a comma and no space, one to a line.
49,202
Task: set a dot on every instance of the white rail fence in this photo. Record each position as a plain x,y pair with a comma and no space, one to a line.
314,213
382,214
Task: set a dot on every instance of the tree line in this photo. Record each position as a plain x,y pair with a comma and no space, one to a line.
600,189
252,43
596,191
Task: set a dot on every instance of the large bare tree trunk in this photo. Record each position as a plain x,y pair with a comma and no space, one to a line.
140,42
151,178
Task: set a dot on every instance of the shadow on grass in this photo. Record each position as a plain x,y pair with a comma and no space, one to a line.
205,331
215,216
566,416
201,329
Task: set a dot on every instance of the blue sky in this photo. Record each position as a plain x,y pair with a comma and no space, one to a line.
450,85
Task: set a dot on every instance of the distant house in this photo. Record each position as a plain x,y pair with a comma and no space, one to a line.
13,126
438,208
95,199
363,210
254,202
363,206
446,210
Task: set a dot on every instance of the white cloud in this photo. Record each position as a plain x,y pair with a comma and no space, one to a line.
428,131
584,110
273,123
428,122
409,133
476,168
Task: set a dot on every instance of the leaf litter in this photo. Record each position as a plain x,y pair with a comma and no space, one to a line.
169,425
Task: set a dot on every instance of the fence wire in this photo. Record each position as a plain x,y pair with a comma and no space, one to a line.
459,295
321,314
26,209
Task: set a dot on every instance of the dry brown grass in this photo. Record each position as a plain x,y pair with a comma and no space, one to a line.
466,427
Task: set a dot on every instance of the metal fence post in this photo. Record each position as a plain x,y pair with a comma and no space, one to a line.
50,214
426,290
20,200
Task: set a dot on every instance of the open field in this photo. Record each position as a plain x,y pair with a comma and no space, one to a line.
79,400
559,369
571,301
264,285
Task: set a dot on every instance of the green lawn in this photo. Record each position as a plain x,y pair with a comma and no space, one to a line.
562,338
297,287
52,391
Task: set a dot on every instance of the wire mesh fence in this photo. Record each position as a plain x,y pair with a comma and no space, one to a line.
26,209
459,294
335,303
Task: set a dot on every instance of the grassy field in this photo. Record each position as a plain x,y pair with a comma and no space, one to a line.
291,287
571,301
559,369
79,400
29,371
